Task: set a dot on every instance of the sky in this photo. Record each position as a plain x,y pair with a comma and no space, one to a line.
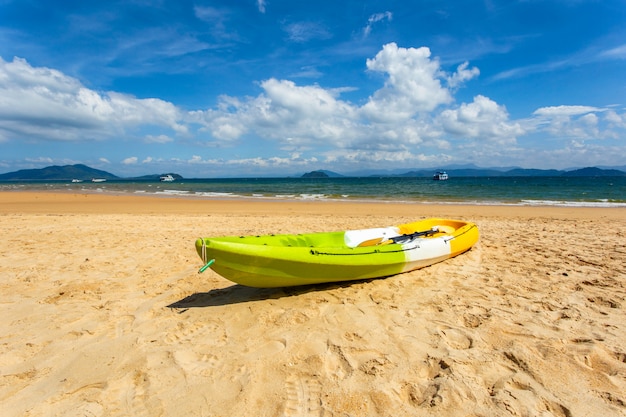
246,88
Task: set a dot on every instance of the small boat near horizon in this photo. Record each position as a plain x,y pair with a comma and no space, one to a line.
76,180
440,176
98,180
167,178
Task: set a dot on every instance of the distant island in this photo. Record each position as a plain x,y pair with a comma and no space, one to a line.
71,172
85,173
315,174
67,172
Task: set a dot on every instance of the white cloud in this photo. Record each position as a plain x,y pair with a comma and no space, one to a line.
377,17
284,110
462,75
261,5
481,119
578,122
556,111
401,114
46,104
615,120
130,161
413,84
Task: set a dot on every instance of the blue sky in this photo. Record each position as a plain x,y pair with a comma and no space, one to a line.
278,87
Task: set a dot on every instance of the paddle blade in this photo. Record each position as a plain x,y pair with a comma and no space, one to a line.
370,242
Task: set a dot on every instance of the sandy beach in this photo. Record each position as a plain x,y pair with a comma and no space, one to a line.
104,314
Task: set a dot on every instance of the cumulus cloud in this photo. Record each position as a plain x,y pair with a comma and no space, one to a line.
303,111
615,120
409,110
579,122
481,119
130,161
44,103
413,84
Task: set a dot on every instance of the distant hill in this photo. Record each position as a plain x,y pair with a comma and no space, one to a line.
321,174
594,172
520,172
55,172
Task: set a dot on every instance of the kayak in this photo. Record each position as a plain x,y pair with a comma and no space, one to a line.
302,259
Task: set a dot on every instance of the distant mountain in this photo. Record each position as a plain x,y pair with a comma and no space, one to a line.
67,172
315,174
594,172
521,172
321,174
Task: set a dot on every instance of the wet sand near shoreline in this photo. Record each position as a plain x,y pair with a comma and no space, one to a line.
105,314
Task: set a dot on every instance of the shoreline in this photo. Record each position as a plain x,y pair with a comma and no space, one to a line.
456,194
72,202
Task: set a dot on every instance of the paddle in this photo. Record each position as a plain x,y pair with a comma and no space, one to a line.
398,239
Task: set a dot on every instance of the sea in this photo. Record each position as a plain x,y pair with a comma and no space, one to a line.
515,191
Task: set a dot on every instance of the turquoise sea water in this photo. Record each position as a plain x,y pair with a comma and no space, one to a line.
536,191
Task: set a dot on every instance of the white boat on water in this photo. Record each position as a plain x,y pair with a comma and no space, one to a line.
77,180
167,178
98,180
440,176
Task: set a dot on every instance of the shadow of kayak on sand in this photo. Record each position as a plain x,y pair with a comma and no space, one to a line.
236,294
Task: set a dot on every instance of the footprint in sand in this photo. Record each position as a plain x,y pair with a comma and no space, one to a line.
196,364
268,349
303,397
132,395
521,395
456,339
188,332
336,363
